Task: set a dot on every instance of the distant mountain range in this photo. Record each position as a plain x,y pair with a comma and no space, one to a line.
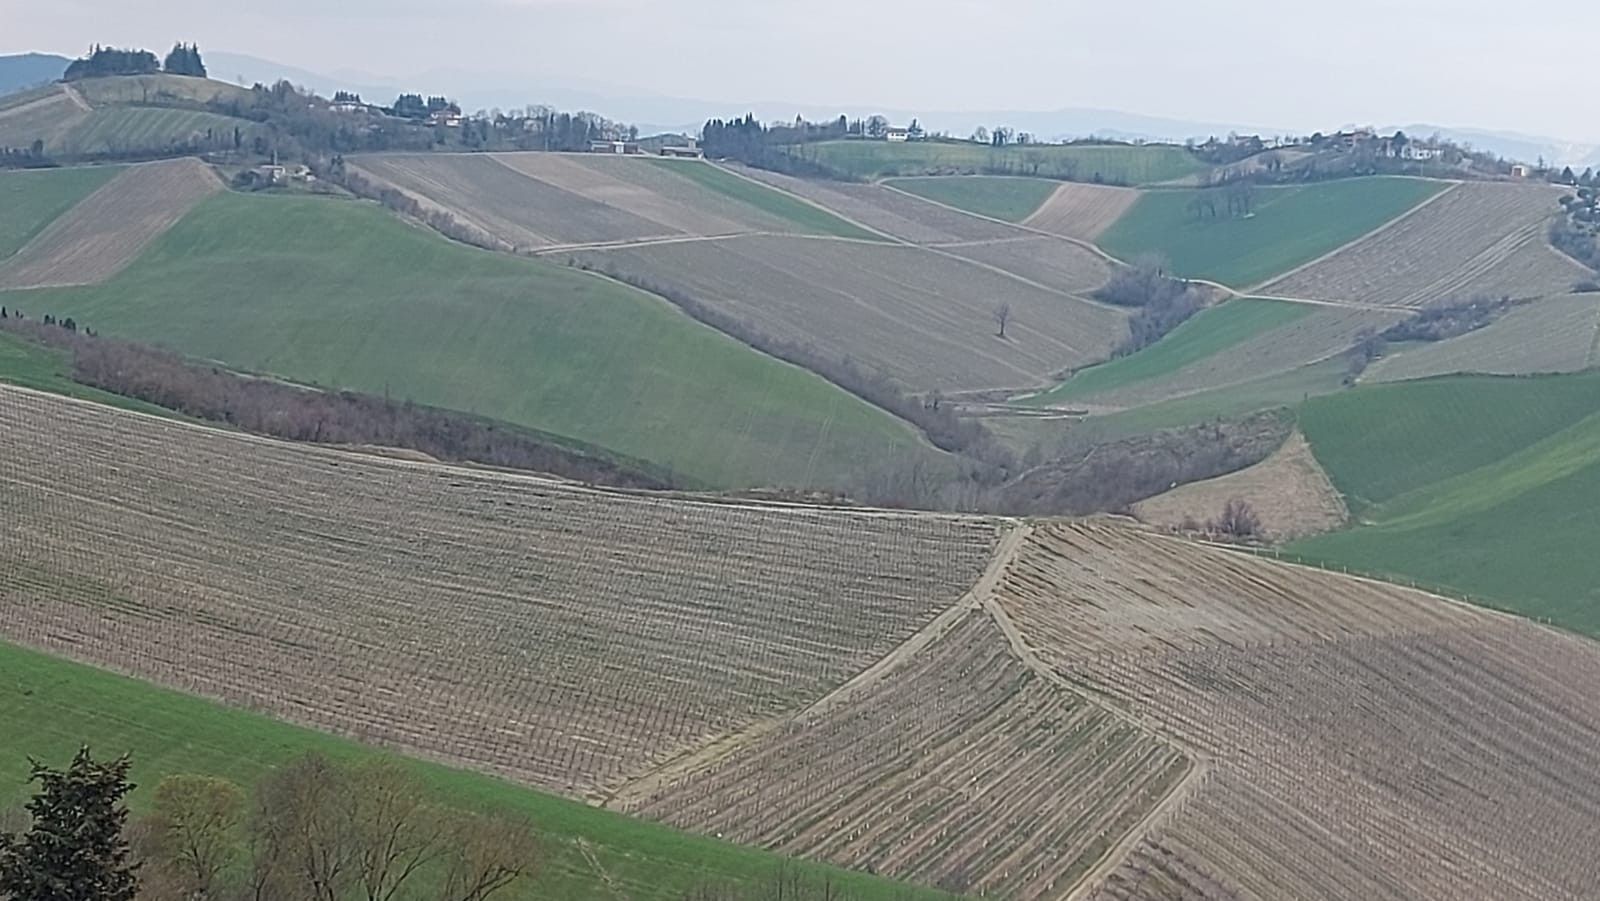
29,70
656,113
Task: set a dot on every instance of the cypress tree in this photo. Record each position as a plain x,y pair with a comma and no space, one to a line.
74,850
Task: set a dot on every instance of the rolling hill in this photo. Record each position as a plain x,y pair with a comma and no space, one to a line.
1483,486
1126,164
1121,707
342,294
122,116
1288,226
29,70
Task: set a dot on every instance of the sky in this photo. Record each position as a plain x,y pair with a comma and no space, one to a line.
1448,62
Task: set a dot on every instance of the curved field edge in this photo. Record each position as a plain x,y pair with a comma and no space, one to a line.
810,218
342,294
1010,198
1288,226
69,704
1210,332
1482,487
33,198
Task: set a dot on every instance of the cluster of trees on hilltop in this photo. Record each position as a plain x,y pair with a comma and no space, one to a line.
413,106
768,147
103,61
1577,232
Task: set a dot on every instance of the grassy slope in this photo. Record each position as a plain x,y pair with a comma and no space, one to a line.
64,705
341,294
1116,163
1484,486
1210,332
47,369
811,219
32,199
1000,197
1291,226
146,128
1284,389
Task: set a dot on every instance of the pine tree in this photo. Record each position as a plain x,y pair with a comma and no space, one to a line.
74,850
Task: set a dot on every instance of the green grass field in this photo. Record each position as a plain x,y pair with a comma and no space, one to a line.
1285,389
811,219
1112,163
41,368
341,294
1290,226
999,197
120,129
1208,332
1482,486
55,706
32,199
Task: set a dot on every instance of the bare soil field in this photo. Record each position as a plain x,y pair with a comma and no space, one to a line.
1475,238
565,637
926,318
1552,334
494,198
1316,336
108,229
47,114
1355,740
1288,491
1082,211
963,769
894,213
649,191
1048,261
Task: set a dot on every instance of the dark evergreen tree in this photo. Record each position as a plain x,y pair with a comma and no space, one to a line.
103,61
185,60
74,850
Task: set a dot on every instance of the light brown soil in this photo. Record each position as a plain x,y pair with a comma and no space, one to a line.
1082,211
566,637
110,228
1288,491
1362,741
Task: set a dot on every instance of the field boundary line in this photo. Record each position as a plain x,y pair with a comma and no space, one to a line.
705,755
75,97
809,202
1392,223
1199,763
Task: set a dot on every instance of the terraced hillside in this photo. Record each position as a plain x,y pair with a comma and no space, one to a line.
122,115
1356,740
529,628
341,294
1477,238
538,201
926,318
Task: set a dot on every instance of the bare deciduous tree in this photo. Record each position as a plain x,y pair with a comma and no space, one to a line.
1239,520
395,834
488,854
1002,315
193,831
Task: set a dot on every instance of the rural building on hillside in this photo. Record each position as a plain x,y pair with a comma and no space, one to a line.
625,147
446,117
1521,170
690,152
349,106
897,135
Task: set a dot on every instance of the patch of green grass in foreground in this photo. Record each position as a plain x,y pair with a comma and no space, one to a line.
998,197
48,707
1480,486
1290,226
1209,332
31,199
812,219
341,294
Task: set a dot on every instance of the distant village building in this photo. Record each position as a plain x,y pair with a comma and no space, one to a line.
446,118
618,147
897,135
1521,170
348,106
689,152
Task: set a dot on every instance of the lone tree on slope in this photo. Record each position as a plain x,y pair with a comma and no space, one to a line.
74,850
1002,315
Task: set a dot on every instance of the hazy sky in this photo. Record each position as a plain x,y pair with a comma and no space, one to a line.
1451,62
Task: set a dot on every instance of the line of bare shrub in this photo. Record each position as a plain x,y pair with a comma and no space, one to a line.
297,413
